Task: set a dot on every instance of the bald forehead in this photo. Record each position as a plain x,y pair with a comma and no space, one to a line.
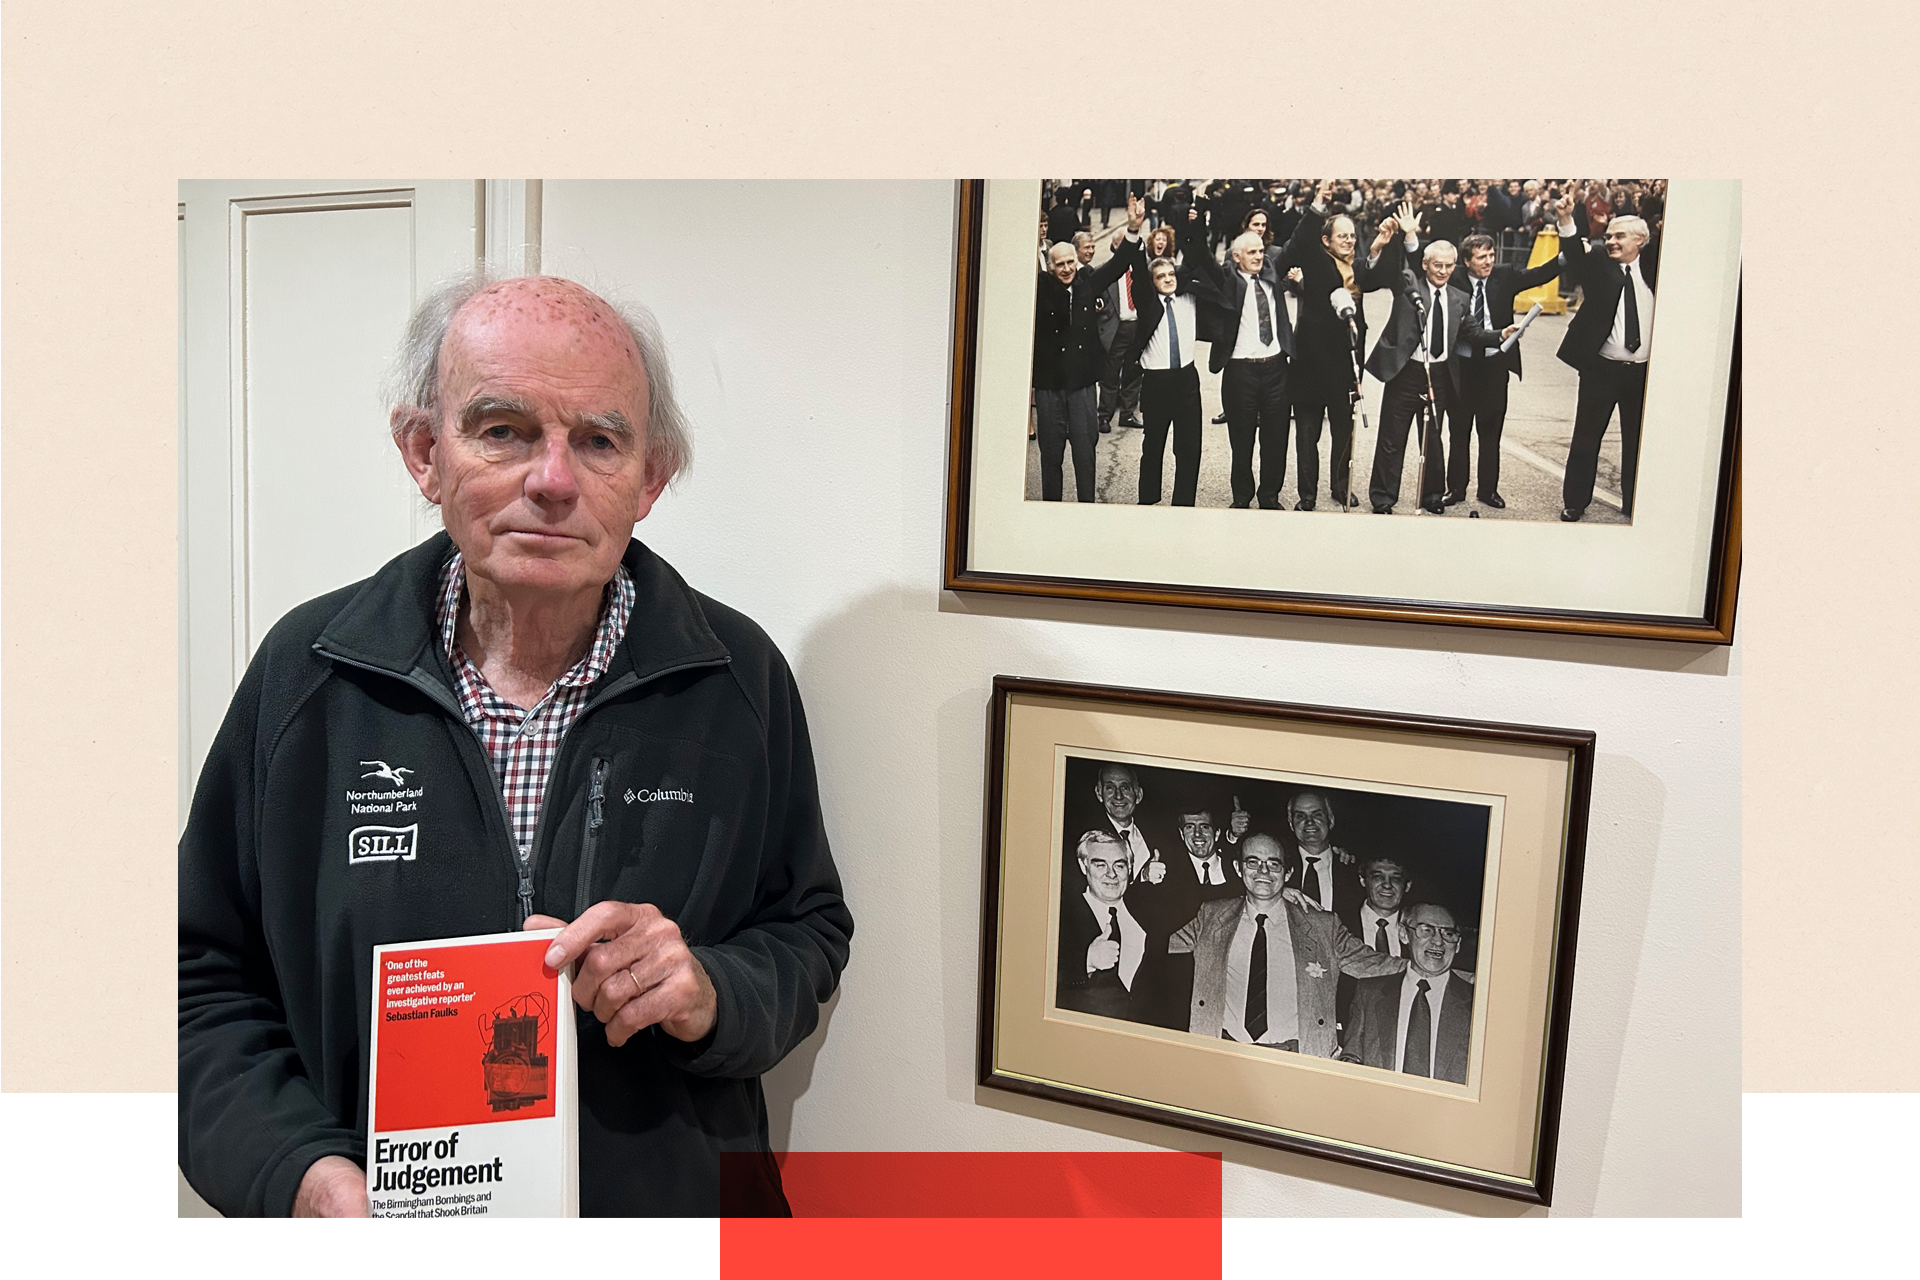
548,306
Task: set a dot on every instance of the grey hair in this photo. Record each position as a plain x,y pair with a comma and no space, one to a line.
1632,225
413,379
1326,802
1428,254
1081,239
1248,240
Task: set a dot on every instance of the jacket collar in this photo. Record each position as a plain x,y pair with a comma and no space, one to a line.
388,624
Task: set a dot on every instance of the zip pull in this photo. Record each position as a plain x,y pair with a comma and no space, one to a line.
526,892
597,794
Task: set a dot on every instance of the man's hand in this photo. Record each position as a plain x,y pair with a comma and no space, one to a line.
1237,825
1322,192
1136,213
1407,219
1193,214
334,1187
1509,331
1103,954
634,970
1301,900
1564,207
1388,229
1296,275
1155,871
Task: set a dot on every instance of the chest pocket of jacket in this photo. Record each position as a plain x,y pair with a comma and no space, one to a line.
667,811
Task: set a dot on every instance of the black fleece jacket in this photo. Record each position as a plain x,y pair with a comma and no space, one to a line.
687,782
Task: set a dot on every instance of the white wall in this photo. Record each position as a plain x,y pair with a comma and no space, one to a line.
809,326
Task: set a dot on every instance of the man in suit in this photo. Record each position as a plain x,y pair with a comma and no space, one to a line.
1246,320
1417,1022
1264,968
1319,868
1063,220
1119,320
1108,955
1375,915
1413,359
1162,350
1199,873
1068,360
1482,372
1117,788
1325,369
1608,341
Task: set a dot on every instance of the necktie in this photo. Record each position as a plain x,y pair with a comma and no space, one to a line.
1480,303
1310,879
1419,1035
1256,1015
1633,311
1173,336
1266,313
1380,935
1113,924
1437,337
1126,287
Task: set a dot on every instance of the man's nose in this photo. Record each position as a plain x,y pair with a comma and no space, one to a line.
551,476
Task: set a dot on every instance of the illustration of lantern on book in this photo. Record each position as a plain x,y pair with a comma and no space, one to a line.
516,1073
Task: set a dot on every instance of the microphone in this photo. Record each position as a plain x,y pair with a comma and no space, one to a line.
1342,302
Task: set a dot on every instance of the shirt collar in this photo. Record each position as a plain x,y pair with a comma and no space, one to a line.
1435,985
616,608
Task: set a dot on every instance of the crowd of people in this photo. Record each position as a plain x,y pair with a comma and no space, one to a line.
1195,914
1214,262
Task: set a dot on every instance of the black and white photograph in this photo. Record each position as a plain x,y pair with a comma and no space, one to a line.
1302,915
1468,347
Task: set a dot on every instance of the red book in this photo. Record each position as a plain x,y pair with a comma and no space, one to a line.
473,1096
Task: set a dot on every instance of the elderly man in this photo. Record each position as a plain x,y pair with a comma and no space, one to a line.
1068,359
1317,871
1252,340
1265,969
1608,341
1119,792
531,673
1111,952
1417,1022
1413,359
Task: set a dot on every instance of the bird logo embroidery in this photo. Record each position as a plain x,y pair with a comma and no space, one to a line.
398,777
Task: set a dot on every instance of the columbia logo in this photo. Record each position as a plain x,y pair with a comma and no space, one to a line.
645,796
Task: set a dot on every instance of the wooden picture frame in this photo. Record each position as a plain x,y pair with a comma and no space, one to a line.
1490,817
1671,573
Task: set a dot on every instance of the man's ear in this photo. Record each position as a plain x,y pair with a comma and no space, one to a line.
413,436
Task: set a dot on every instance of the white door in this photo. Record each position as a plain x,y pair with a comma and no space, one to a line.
293,298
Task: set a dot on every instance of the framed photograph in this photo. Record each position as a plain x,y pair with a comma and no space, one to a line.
1209,392
1344,933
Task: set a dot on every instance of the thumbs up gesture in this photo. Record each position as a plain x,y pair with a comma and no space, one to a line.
1237,825
1155,871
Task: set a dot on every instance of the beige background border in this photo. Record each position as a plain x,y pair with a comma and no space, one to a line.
106,106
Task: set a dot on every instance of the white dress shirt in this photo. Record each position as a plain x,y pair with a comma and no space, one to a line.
1133,938
1367,918
1157,353
1248,345
1477,292
1322,864
1615,347
1409,992
1208,871
1283,991
1437,304
1136,844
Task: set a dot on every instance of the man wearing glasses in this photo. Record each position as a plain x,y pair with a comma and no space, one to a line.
1264,967
1417,1022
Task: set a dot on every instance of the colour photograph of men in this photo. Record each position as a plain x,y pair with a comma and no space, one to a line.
1358,946
1470,348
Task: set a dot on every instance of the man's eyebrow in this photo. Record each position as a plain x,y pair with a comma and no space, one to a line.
483,406
612,422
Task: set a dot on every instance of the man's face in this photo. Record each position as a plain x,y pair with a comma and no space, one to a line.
1118,793
1263,868
1624,246
1105,865
1249,260
1480,262
1084,251
1165,279
1311,821
1198,834
1386,885
1063,262
1340,238
1432,939
1513,186
1440,265
1258,224
538,459
1450,198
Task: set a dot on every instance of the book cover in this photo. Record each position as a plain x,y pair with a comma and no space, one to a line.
472,1100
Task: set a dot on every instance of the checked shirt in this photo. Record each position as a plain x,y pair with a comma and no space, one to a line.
521,745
